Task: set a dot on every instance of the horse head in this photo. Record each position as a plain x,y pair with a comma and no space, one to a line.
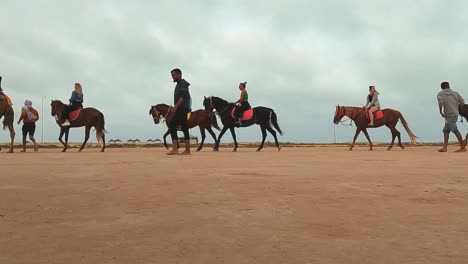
215,103
208,103
159,111
155,114
339,114
56,106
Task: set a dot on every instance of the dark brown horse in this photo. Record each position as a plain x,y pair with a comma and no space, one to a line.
464,113
360,117
88,117
201,118
6,111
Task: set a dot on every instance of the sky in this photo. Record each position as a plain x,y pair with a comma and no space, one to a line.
301,58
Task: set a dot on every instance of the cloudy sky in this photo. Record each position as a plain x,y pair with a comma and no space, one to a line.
300,58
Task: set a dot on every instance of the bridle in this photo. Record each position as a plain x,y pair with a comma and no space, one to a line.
158,114
342,113
211,108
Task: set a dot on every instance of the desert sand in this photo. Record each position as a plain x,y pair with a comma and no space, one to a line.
300,205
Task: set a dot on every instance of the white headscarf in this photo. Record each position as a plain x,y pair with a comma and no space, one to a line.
27,106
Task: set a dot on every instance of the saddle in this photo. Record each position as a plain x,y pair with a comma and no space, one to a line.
74,115
248,114
377,115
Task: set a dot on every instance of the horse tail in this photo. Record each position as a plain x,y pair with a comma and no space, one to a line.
408,130
214,121
100,130
274,122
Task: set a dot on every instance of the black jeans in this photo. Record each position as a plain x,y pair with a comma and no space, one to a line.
70,108
242,108
180,118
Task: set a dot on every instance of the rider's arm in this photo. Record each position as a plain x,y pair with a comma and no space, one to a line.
241,97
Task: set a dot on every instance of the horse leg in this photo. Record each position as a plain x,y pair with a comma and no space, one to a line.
62,132
87,129
398,134
368,139
264,134
394,134
216,148
103,142
273,132
233,133
466,139
358,130
164,138
212,133
12,137
67,130
203,136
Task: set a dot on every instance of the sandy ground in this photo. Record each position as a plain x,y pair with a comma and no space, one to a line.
300,205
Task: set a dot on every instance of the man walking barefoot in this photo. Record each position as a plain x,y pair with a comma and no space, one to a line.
182,106
449,102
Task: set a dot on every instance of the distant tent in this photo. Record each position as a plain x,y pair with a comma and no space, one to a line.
157,140
136,140
130,141
118,141
150,141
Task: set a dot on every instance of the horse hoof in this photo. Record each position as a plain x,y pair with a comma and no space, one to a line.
258,150
279,149
370,149
402,147
234,150
64,150
388,149
80,150
198,150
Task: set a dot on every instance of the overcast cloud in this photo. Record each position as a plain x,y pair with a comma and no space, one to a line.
300,58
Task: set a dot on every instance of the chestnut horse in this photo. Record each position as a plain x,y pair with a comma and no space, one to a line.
6,111
360,117
201,118
89,117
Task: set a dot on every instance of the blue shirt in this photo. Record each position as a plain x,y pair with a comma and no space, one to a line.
75,97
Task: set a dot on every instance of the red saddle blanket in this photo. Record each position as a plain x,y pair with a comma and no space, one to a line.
74,115
377,115
248,114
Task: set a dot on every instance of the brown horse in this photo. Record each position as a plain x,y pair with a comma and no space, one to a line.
201,118
360,117
6,111
88,117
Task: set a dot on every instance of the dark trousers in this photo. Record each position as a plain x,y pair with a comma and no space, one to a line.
243,107
70,108
180,118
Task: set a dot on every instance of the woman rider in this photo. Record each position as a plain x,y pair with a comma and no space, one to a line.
373,104
243,102
76,102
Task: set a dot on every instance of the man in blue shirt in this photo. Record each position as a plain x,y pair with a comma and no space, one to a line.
182,106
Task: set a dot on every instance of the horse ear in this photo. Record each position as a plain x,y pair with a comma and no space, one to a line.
204,97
